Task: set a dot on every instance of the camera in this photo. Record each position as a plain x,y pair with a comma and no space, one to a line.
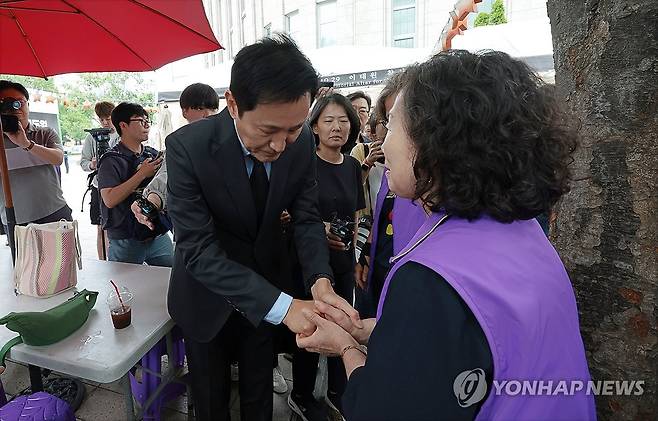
102,138
343,229
8,106
148,209
363,228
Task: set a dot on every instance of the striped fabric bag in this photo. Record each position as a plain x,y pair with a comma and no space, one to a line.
46,258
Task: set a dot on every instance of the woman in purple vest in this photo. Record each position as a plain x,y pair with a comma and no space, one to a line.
477,318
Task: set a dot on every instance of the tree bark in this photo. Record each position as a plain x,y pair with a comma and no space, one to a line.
606,64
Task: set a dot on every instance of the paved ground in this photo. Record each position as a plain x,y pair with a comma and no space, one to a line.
104,402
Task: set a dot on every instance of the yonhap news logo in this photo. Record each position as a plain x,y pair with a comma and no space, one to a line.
470,387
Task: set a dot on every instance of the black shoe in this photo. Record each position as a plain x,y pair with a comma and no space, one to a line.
333,407
308,409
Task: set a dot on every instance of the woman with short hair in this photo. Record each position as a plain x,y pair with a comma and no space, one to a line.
478,295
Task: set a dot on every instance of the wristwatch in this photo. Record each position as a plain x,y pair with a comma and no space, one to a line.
365,166
29,148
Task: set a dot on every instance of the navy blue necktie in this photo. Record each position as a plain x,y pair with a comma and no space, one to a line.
260,185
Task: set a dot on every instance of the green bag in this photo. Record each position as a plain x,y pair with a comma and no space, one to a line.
40,328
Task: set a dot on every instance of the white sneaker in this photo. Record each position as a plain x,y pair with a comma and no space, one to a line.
280,385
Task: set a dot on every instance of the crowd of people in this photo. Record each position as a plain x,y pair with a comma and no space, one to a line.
398,239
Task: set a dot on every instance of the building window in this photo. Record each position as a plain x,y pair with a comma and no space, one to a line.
403,23
326,23
267,31
293,24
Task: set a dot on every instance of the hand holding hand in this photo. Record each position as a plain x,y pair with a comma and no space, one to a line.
328,338
323,291
360,333
295,319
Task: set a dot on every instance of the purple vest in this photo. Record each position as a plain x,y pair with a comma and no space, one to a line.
407,218
515,284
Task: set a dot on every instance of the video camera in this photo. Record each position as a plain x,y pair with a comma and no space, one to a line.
102,138
7,108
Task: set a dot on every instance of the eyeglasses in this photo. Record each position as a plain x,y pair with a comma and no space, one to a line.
143,121
384,122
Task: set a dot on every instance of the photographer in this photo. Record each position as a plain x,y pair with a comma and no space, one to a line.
334,123
34,183
91,152
123,172
197,101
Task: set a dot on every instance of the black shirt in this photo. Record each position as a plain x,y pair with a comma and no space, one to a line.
425,338
341,195
115,168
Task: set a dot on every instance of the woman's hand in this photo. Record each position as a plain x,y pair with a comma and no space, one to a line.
333,240
328,338
375,153
361,274
359,332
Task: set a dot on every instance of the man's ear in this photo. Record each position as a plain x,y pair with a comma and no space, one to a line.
232,105
185,110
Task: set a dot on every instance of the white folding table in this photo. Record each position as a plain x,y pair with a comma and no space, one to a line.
97,351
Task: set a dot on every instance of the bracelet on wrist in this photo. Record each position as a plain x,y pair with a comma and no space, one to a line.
361,348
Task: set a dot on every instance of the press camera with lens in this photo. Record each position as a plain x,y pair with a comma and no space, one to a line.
8,106
344,229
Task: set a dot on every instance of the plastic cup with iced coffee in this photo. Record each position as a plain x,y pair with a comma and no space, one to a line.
120,307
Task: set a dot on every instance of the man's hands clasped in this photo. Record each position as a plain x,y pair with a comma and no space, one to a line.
328,323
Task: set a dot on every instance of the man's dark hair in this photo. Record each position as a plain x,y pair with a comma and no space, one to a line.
7,84
199,96
392,87
103,109
489,139
271,70
360,94
124,112
352,116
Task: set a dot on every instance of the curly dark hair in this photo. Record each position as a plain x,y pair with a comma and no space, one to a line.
490,138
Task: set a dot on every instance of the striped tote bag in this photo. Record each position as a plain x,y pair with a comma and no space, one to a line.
46,258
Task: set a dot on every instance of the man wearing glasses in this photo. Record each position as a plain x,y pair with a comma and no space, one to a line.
123,172
89,162
32,154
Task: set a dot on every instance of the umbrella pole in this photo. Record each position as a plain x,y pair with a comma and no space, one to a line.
9,201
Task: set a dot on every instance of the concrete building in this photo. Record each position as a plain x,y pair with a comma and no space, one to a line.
355,43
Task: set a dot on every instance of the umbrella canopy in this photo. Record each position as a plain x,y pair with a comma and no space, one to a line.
50,37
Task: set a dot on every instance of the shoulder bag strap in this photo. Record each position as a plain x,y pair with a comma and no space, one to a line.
5,349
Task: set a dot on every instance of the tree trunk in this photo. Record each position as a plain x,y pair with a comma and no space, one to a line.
606,64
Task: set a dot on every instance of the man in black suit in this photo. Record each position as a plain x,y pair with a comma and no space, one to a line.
230,177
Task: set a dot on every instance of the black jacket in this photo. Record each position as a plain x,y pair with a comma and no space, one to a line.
221,262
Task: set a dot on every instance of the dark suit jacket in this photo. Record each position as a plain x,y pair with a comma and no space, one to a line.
221,262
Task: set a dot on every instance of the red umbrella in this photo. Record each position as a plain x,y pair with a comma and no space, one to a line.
49,37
